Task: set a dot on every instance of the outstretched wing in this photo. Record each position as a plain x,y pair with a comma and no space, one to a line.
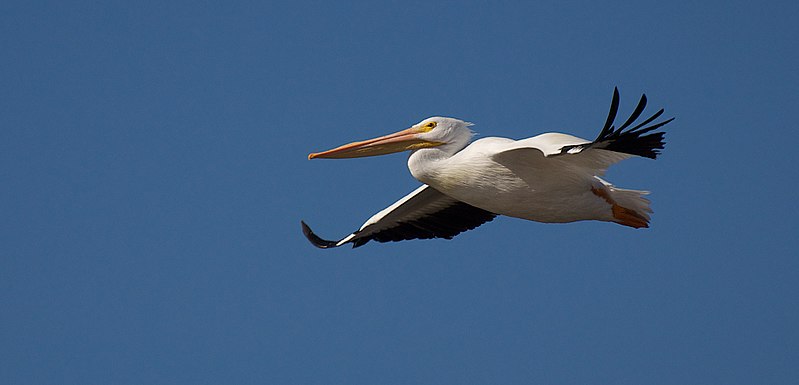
611,145
423,214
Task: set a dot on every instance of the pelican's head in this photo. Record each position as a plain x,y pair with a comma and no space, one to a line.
449,134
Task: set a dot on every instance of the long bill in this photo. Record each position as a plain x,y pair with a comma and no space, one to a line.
407,139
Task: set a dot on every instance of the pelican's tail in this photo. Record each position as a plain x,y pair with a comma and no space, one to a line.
628,207
631,208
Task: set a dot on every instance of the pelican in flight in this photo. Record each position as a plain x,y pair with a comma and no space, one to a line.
551,178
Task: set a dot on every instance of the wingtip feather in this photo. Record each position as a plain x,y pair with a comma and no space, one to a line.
315,239
632,140
614,108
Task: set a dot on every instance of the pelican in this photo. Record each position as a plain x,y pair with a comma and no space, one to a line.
550,178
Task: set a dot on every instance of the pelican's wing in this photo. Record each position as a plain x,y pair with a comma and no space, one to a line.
425,213
611,145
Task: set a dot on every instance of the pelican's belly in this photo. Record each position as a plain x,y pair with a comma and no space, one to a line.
542,198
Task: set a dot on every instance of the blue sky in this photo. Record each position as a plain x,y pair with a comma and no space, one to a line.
154,173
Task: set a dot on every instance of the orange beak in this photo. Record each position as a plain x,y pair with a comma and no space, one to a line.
407,139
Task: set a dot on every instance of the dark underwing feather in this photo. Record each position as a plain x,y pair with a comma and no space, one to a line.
447,219
446,224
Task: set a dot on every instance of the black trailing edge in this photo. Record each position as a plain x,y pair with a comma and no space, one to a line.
445,223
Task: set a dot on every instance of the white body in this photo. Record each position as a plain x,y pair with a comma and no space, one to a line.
515,178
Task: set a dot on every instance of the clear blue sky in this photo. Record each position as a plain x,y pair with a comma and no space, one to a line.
153,176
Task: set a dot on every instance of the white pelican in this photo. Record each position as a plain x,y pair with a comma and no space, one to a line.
552,177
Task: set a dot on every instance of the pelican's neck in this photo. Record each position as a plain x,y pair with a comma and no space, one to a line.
425,163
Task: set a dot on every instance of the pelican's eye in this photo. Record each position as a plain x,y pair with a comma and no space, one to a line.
429,126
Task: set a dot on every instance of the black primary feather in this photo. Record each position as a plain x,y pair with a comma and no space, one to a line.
636,140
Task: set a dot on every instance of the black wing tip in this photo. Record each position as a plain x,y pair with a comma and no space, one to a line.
315,239
633,140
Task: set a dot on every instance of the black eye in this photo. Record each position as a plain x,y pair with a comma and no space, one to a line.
431,125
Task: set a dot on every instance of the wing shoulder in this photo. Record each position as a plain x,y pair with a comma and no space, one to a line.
534,152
